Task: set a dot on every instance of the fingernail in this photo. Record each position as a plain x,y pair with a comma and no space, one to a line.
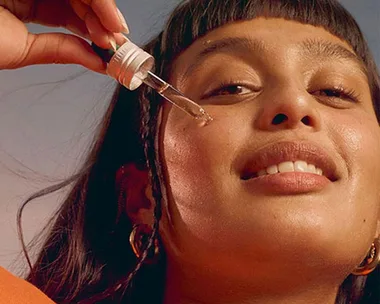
125,38
120,38
113,43
123,22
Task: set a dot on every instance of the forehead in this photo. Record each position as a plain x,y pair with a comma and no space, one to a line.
268,36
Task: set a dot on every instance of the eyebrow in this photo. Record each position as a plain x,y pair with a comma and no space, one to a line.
225,45
309,48
323,48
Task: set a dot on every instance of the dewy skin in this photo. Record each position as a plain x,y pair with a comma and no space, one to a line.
131,66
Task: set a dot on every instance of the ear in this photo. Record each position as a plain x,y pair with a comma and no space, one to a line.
137,198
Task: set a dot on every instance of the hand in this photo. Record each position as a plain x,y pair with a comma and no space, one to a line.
97,20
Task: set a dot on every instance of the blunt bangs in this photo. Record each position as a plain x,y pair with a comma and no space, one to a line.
194,19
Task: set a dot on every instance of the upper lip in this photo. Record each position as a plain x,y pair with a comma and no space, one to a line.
280,152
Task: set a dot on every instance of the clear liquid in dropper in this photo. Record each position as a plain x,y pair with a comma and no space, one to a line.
176,97
163,88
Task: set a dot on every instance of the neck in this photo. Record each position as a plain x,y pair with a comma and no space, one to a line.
197,288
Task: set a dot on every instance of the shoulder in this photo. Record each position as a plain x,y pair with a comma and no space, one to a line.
14,290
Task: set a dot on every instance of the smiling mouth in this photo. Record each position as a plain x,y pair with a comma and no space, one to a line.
285,167
306,160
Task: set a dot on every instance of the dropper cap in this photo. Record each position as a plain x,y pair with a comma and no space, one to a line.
128,65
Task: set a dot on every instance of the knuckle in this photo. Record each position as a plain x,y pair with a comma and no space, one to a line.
57,54
80,8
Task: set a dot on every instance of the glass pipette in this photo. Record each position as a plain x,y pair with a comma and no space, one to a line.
131,66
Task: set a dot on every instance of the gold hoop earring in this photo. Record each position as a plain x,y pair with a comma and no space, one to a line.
139,238
371,261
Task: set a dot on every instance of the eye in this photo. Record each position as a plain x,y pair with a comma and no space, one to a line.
231,89
338,93
234,89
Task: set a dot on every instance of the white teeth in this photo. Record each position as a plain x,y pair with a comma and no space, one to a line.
289,166
300,166
286,167
311,168
261,173
272,169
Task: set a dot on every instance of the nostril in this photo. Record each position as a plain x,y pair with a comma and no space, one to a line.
279,118
306,120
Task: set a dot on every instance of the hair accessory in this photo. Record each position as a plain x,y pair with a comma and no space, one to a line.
139,239
371,261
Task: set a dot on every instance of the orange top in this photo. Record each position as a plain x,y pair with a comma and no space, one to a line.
14,290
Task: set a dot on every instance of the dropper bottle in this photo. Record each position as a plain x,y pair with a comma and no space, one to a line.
131,66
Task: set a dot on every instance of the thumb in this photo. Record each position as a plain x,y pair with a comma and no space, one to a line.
61,48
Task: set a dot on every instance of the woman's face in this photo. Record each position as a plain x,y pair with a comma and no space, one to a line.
283,95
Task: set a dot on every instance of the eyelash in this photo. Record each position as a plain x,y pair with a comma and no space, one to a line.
345,94
227,85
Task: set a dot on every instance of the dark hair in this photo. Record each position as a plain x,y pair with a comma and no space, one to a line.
86,255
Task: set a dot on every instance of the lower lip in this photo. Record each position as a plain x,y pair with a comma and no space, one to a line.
288,183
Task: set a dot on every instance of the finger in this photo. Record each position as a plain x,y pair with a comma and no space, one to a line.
61,16
120,38
98,33
63,49
58,15
109,15
77,26
21,11
51,13
80,8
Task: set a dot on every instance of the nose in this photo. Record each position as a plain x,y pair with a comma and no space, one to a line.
288,107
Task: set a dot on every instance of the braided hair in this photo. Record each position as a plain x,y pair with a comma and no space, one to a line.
86,257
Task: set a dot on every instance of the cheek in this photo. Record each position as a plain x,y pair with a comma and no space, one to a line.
197,159
357,138
198,173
